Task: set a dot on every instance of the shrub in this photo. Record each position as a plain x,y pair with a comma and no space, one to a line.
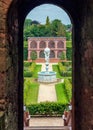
56,69
62,69
62,56
68,88
33,55
69,53
27,73
30,91
27,64
32,67
67,63
47,108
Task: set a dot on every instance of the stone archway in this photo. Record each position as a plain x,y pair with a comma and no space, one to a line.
51,44
42,44
11,57
33,44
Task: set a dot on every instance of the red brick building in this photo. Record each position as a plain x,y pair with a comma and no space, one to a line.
57,45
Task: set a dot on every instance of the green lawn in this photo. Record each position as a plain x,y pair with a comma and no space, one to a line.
30,91
37,69
61,94
56,69
31,87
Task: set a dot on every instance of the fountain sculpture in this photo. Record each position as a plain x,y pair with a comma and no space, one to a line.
47,76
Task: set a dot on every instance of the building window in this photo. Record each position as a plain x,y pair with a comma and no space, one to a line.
60,44
51,44
42,44
33,44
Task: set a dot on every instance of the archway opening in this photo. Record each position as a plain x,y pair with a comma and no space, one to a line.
61,53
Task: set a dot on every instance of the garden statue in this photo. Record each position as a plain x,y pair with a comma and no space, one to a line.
47,53
47,76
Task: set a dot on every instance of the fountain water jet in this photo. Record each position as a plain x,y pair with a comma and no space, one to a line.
47,76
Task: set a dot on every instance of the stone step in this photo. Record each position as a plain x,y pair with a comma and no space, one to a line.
47,128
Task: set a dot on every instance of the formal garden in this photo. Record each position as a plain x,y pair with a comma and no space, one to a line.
63,90
63,69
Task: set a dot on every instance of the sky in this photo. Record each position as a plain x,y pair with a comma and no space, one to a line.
40,13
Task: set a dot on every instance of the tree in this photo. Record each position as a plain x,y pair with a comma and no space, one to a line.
33,55
27,23
58,29
47,21
63,56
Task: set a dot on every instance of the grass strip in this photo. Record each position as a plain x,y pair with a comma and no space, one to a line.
61,94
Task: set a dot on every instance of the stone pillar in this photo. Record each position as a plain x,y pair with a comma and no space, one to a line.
38,54
29,55
38,45
56,44
47,43
56,54
29,41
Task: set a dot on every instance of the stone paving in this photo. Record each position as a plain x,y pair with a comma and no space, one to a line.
46,121
46,93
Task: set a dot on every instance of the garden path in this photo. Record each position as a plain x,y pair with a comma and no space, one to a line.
46,121
47,91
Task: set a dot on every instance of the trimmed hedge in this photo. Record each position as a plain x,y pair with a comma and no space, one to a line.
68,88
29,68
32,67
30,91
27,73
64,71
67,63
47,109
27,64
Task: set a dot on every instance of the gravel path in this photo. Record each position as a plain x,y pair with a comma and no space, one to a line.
47,91
46,121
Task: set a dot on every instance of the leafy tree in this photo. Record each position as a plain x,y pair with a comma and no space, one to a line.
34,29
27,23
33,55
63,56
58,28
68,35
27,33
35,22
69,53
68,26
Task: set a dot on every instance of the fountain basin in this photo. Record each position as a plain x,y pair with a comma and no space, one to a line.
47,76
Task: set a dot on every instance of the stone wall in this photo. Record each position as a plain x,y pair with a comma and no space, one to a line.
11,60
8,66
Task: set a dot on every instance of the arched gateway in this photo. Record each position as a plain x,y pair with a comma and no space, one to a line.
12,14
38,44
